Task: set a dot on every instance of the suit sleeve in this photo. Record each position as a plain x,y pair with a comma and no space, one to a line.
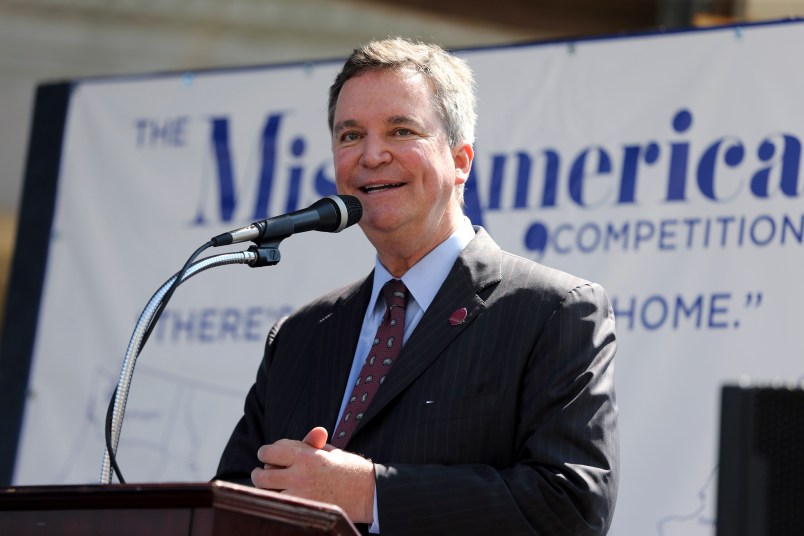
564,479
239,457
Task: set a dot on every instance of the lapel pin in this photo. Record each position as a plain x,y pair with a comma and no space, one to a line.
458,316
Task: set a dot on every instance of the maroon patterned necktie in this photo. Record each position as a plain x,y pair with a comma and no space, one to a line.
384,350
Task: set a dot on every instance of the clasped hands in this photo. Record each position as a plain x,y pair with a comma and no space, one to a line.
313,469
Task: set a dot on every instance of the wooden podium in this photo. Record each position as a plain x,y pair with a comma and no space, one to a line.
209,509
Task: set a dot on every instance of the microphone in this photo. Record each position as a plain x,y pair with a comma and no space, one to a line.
331,214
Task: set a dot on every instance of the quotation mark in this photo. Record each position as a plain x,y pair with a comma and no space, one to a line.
753,299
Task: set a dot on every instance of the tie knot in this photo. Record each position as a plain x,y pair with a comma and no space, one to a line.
395,293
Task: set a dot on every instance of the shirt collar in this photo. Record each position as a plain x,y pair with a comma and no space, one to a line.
425,277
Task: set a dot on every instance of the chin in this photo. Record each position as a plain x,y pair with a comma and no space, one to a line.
378,223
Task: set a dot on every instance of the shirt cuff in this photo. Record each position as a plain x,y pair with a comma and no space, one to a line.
374,528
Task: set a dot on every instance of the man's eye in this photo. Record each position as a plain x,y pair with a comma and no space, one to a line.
403,132
349,136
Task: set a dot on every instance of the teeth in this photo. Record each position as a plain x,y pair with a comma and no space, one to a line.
369,189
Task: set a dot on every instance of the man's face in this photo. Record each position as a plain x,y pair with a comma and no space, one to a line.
391,152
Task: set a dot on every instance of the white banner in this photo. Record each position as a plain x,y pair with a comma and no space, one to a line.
666,167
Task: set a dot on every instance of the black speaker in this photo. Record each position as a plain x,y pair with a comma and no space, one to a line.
761,473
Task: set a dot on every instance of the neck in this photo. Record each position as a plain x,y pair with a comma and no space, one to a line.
399,255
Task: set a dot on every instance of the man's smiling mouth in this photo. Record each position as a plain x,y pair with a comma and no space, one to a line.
380,187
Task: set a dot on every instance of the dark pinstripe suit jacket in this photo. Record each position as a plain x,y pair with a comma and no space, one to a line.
506,423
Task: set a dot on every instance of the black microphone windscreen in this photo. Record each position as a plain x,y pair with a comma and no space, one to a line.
354,209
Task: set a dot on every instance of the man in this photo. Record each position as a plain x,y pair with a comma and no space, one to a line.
498,414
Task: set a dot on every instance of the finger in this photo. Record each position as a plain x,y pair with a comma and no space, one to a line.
264,479
280,454
317,437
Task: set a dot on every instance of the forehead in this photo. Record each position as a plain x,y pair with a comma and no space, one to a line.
393,92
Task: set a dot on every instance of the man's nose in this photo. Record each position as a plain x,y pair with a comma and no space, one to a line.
376,152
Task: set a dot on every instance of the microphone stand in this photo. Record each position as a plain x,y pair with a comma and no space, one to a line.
263,254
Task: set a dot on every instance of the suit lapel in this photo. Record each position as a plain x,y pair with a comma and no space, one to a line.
477,268
337,339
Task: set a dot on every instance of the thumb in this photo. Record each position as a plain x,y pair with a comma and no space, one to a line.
317,437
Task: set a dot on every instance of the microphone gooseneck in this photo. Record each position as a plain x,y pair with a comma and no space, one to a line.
331,214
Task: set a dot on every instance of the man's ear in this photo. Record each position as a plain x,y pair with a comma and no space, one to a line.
463,155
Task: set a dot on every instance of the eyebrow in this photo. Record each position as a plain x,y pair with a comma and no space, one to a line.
342,125
405,120
393,120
